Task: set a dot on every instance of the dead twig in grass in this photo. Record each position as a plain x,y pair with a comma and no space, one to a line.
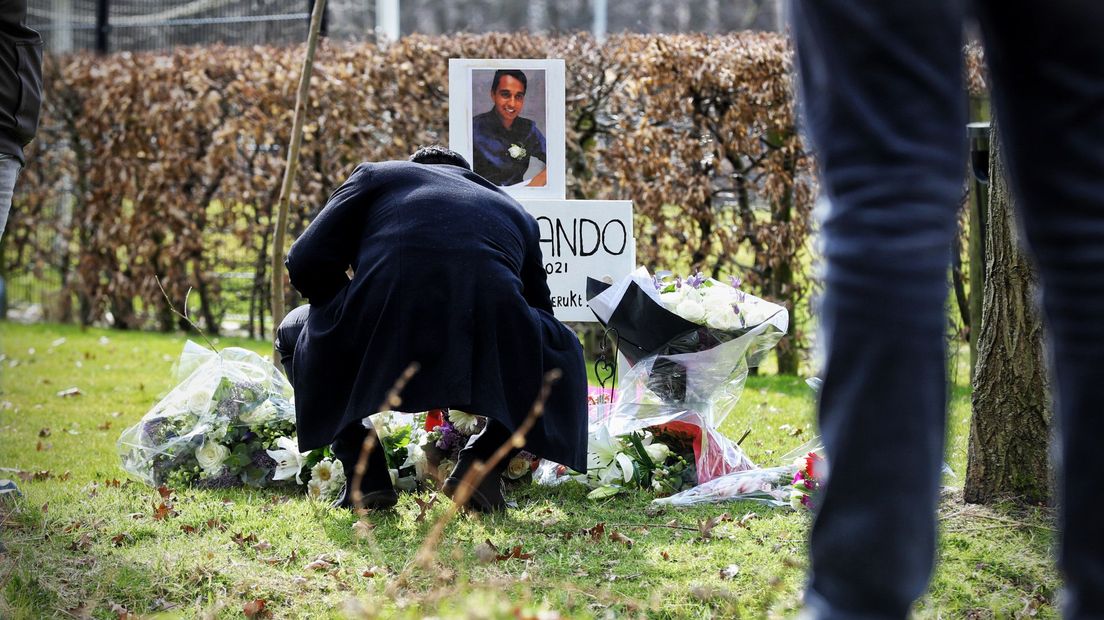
184,315
480,469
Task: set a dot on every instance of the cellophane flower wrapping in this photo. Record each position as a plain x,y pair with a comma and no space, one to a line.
218,425
778,486
684,371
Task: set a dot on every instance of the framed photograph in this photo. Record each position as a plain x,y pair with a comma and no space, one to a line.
507,118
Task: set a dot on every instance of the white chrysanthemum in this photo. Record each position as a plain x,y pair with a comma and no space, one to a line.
517,151
211,455
289,460
337,477
324,472
315,489
464,422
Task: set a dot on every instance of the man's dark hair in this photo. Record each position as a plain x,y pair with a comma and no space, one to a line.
437,154
514,73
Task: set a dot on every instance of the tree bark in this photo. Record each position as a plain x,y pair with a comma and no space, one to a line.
1010,426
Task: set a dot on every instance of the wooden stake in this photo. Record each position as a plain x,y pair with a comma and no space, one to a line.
301,99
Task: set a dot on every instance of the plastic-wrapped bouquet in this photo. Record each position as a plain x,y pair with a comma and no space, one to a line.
636,460
690,343
795,484
229,422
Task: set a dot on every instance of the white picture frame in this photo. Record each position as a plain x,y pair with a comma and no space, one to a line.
546,112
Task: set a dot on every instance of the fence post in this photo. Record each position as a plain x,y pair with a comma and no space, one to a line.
388,23
600,20
103,26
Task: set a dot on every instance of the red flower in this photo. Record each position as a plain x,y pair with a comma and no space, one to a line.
434,418
814,466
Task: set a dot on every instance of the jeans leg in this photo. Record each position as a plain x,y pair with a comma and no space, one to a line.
882,93
1046,60
287,334
9,172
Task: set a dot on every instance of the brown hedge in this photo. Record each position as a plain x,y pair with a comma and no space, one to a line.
171,159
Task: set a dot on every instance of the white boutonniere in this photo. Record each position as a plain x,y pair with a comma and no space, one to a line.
517,151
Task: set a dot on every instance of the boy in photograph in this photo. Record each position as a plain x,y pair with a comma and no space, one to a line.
504,142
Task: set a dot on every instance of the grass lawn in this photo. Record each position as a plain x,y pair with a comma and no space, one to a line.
80,543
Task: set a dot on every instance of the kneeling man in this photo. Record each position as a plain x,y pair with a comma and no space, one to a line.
446,272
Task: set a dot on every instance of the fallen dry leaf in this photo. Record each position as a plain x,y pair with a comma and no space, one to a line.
705,528
263,545
746,519
42,447
81,544
119,540
242,540
188,529
514,554
424,507
44,432
319,564
621,538
666,556
163,511
105,426
256,609
597,532
68,392
730,571
164,492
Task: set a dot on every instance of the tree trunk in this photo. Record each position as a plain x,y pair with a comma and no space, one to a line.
1011,415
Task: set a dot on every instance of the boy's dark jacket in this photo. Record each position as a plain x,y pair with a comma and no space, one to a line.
20,78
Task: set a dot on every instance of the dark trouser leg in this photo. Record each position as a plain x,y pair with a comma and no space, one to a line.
484,445
347,446
287,334
1049,96
885,109
487,494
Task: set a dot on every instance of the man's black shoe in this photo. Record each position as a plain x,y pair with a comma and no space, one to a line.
372,500
486,497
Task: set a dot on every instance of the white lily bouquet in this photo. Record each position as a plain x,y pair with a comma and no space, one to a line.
229,422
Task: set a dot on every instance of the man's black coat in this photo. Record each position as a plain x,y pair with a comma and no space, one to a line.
447,272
